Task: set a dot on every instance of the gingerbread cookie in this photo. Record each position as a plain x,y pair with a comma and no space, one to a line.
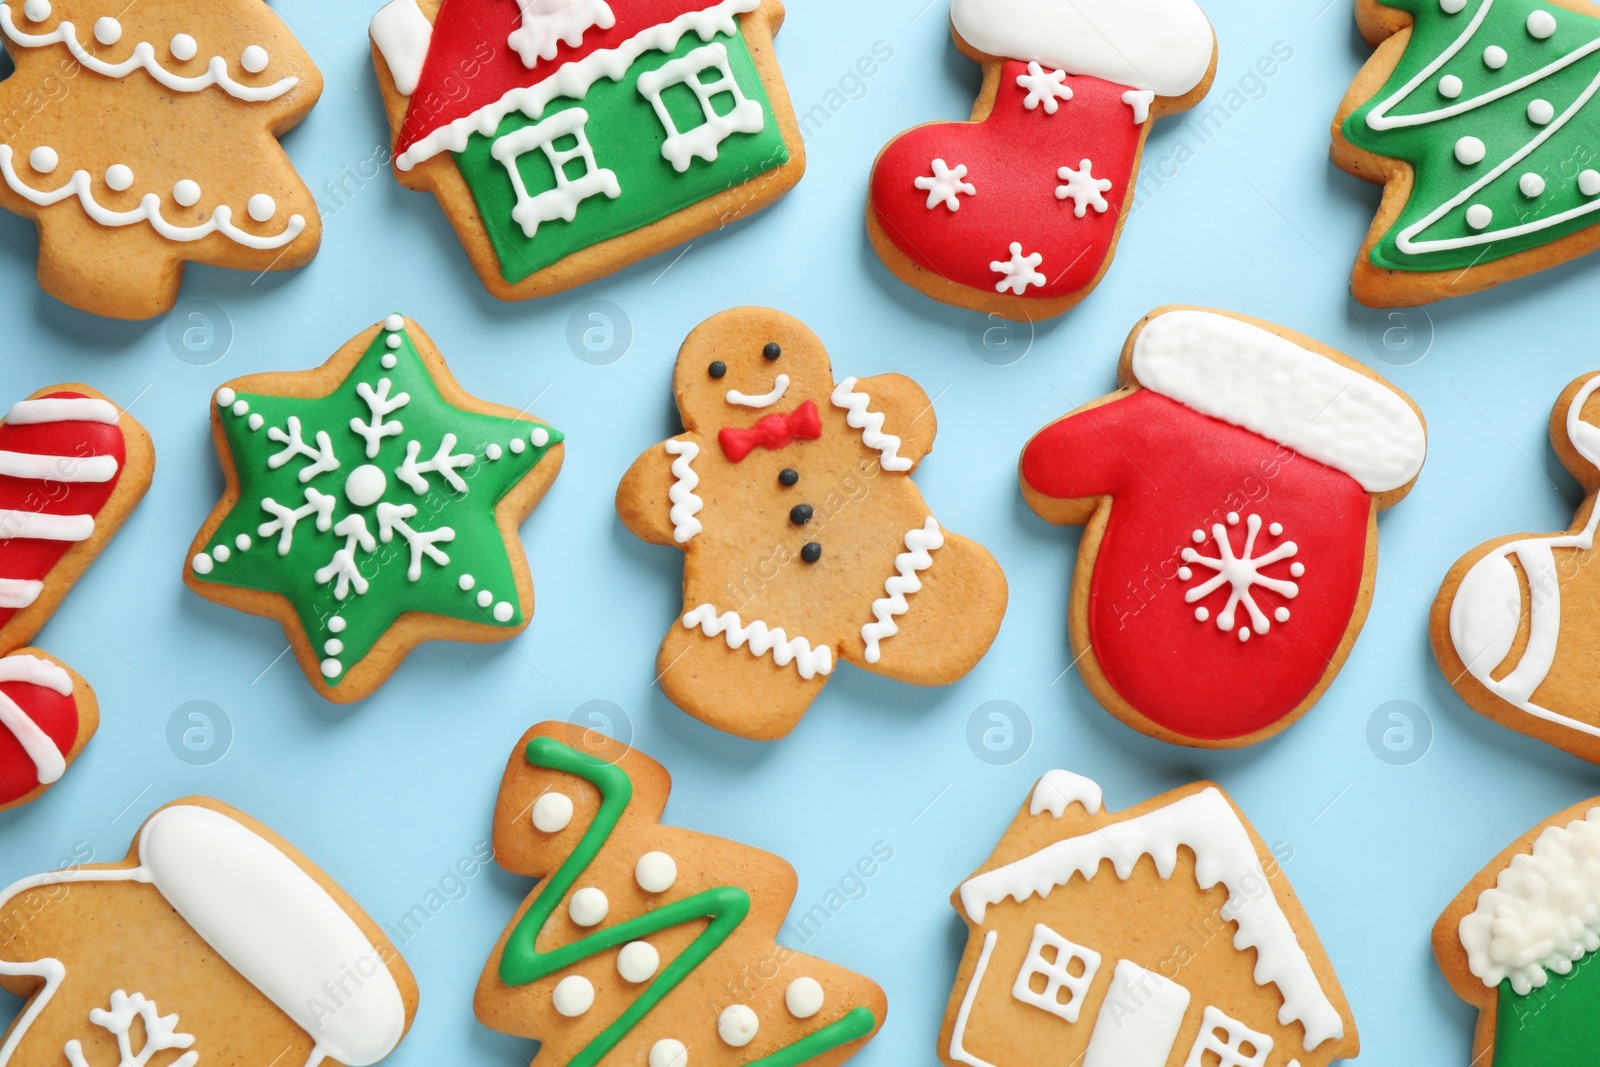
372,504
805,540
1474,116
144,136
648,944
567,139
1018,211
1163,934
1518,944
47,715
215,942
1510,627
1230,491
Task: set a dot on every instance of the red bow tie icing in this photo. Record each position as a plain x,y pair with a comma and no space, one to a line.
772,432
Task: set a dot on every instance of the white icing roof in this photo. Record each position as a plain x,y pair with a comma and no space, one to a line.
1059,788
1207,825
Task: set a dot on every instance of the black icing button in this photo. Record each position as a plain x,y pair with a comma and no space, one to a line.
800,514
811,552
772,351
718,369
788,476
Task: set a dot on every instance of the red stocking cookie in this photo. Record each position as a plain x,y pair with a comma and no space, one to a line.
804,538
1018,211
1230,491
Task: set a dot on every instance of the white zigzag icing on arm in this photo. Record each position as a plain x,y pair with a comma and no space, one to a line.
920,542
870,423
685,503
762,639
144,57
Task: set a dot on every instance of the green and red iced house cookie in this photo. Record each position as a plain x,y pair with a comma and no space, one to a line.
566,139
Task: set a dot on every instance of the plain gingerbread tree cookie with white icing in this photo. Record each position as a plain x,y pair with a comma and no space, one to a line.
1018,211
650,944
805,541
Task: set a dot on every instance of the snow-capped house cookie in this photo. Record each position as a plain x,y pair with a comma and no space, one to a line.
1518,943
1163,934
566,139
215,941
1230,491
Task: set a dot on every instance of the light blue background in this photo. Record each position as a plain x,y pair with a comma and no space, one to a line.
388,795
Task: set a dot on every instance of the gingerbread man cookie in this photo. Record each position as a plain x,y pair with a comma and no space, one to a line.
214,942
805,540
1513,626
148,139
650,944
1230,493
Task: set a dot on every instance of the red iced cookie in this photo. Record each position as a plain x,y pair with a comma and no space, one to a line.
47,714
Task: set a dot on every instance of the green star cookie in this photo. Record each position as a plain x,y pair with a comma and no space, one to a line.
372,504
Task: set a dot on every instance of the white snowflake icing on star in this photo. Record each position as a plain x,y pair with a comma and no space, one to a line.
1241,573
1084,189
444,463
294,444
1019,271
342,569
392,520
284,518
944,184
1139,100
1047,87
380,406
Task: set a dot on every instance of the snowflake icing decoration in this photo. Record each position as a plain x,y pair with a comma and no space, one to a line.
1047,87
1019,271
1084,189
944,184
1241,573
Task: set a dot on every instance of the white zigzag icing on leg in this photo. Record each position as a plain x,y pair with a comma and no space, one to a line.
920,542
870,423
762,639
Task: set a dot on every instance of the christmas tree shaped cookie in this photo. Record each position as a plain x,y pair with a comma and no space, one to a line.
371,505
1518,943
1018,211
1163,934
648,944
566,139
1475,116
143,137
805,540
214,942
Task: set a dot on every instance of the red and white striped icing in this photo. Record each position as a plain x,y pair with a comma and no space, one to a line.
38,724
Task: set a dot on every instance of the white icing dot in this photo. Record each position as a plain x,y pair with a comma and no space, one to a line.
243,542
183,48
1282,614
1201,614
1233,518
394,322
669,1053
517,446
467,582
1589,183
36,10
1479,216
1452,7
737,1025
1494,57
803,998
655,872
540,437
1276,529
1541,24
254,59
1450,86
225,396
393,340
1244,633
552,812
44,159
494,453
588,906
336,624
240,408
262,207
365,485
222,553
1297,569
637,962
119,176
1469,150
256,422
1184,574
202,564
1541,112
388,361
485,598
503,611
332,668
1198,536
186,193
333,646
1531,185
107,30
573,995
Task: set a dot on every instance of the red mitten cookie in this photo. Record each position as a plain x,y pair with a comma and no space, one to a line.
1230,491
47,714
1018,211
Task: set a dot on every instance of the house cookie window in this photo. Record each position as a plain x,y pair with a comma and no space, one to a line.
564,141
1056,974
705,72
1231,1043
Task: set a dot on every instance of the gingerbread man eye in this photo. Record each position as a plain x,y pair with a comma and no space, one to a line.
717,369
772,351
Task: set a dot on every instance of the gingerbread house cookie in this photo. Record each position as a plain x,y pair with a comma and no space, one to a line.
1163,934
1230,492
